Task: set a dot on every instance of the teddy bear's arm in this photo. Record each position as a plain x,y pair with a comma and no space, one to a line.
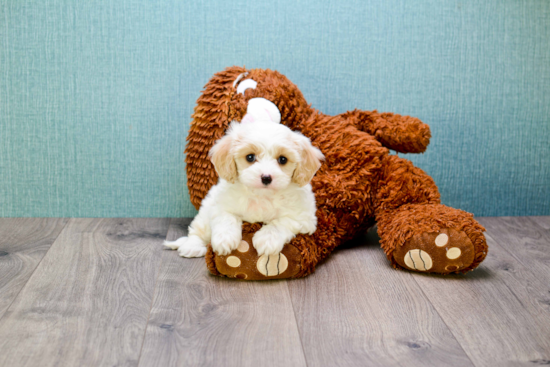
404,134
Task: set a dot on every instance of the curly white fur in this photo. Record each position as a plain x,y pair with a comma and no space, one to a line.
285,205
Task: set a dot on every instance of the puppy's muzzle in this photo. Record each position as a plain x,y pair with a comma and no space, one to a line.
266,179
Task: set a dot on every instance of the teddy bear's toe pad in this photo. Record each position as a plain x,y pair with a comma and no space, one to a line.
417,260
244,262
272,265
443,252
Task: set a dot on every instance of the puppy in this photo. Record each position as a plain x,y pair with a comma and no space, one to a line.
264,171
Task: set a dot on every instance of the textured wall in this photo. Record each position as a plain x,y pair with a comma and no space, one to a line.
96,96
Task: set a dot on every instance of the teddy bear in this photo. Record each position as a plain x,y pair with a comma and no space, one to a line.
359,184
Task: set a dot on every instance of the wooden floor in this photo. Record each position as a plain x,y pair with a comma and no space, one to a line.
103,292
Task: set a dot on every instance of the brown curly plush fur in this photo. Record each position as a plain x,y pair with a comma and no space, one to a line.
359,182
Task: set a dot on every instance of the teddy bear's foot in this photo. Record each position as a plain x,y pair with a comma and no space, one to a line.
432,238
445,251
244,262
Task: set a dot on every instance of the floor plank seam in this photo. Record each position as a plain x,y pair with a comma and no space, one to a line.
443,320
153,298
296,322
34,270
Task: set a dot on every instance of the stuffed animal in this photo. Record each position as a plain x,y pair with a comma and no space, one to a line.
359,184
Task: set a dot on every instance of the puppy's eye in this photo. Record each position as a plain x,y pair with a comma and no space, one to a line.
282,160
250,158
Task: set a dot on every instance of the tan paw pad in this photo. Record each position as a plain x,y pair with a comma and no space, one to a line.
418,260
233,261
243,246
453,253
441,240
272,265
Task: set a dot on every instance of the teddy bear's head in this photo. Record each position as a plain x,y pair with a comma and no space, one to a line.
274,87
225,98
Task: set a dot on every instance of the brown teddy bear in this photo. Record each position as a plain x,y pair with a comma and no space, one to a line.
358,185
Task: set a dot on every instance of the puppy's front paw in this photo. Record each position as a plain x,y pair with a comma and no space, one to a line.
268,241
192,251
187,246
174,245
226,241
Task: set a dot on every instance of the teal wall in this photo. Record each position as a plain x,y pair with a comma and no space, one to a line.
96,96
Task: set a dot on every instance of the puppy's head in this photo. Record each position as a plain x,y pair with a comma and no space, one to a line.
265,155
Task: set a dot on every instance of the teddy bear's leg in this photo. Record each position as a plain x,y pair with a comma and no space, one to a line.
416,231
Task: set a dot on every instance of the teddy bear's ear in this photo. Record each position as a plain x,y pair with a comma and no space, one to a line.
262,109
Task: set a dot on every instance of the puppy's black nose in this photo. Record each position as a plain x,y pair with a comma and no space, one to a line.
266,179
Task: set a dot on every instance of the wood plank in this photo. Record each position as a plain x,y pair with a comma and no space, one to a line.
356,310
202,320
23,244
87,302
525,240
495,312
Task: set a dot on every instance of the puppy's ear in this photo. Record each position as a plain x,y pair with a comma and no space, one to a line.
310,162
223,161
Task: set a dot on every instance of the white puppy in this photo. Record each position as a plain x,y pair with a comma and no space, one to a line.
264,171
